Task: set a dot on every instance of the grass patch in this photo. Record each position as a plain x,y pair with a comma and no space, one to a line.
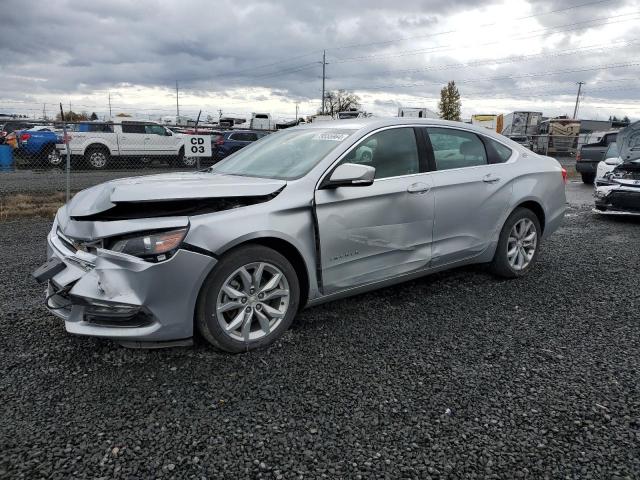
30,205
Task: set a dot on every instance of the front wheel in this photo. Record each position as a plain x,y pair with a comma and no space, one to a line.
518,245
249,300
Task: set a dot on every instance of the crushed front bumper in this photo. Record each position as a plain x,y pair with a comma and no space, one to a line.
118,296
617,199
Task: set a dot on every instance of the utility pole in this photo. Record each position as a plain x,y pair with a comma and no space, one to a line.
324,64
109,104
44,111
297,103
177,104
219,115
575,110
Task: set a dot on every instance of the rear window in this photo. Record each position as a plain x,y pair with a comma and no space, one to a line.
92,127
496,152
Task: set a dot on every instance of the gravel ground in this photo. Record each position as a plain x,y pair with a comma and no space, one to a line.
454,375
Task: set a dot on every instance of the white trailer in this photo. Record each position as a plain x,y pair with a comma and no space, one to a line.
416,112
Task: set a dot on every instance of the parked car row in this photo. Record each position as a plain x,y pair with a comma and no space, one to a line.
100,145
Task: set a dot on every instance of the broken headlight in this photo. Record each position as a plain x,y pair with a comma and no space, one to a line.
151,246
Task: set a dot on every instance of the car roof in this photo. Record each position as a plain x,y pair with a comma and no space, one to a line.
374,123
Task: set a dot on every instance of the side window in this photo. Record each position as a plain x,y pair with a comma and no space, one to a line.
100,127
456,148
133,128
497,152
609,139
235,137
392,152
154,130
251,137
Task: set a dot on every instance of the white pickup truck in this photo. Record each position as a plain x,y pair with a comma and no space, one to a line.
102,144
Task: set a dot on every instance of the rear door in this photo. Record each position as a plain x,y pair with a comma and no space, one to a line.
372,233
472,188
133,139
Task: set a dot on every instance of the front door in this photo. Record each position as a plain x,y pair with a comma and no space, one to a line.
372,233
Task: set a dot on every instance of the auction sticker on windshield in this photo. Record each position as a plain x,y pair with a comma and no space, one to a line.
197,145
334,137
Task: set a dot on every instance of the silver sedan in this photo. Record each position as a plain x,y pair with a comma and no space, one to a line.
300,217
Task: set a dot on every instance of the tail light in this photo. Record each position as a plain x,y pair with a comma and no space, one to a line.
220,141
24,137
578,156
564,175
66,138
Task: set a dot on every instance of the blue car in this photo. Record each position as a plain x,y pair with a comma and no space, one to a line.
37,146
225,143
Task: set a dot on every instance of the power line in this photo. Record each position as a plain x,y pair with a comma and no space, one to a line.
414,37
449,47
505,77
510,59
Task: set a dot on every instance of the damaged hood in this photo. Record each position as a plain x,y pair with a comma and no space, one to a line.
628,141
168,188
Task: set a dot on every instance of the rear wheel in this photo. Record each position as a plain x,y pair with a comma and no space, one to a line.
588,178
182,161
518,245
97,158
53,157
249,300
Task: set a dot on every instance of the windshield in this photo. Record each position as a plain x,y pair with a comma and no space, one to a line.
285,155
612,151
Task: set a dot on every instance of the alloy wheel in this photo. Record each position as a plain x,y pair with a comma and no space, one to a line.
98,159
521,244
189,161
253,301
54,158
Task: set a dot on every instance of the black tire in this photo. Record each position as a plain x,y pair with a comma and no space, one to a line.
500,265
97,158
181,161
206,320
588,178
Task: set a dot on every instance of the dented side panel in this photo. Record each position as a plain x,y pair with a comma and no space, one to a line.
368,234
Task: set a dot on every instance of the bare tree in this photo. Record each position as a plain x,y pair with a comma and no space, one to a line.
340,101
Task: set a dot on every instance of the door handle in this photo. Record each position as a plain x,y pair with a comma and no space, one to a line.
490,179
418,187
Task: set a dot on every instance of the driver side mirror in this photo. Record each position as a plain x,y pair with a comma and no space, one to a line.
351,175
612,161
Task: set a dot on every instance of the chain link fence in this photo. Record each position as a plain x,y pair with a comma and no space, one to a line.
60,157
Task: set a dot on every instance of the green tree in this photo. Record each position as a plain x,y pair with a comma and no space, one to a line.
450,105
93,116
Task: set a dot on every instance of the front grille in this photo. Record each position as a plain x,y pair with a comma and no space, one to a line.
625,200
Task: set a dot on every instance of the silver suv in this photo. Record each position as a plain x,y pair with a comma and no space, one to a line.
300,217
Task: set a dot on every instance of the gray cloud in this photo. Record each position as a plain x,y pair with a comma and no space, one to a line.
212,47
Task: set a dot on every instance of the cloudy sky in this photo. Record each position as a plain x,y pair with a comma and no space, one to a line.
244,56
